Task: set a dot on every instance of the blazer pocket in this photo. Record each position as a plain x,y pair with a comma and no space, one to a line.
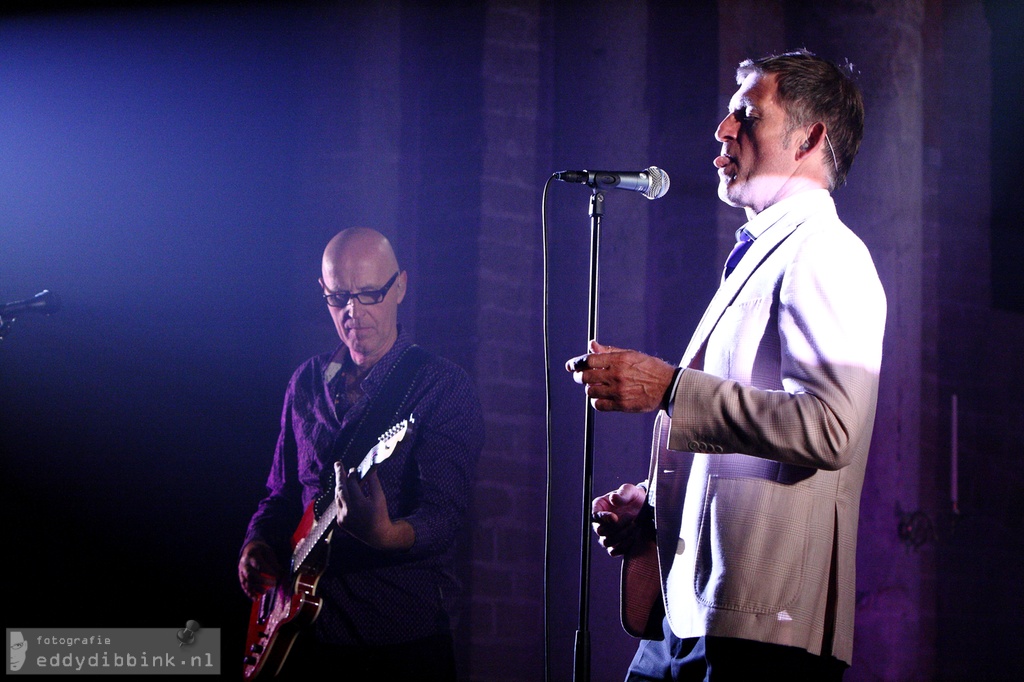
751,545
746,336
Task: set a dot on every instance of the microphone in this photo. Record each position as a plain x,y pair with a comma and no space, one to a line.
652,183
45,302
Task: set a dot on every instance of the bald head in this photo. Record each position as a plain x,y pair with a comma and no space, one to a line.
359,244
361,260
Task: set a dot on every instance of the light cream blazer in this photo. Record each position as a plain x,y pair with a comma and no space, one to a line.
782,368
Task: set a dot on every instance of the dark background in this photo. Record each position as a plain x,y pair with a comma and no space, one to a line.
173,171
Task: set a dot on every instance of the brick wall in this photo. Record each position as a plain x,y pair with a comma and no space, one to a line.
545,86
506,606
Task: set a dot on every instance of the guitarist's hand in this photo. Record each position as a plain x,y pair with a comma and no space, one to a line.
614,518
363,512
258,569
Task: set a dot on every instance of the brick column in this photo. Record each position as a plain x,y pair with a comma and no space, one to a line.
506,609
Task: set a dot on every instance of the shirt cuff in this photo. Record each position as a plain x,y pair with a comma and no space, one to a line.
670,394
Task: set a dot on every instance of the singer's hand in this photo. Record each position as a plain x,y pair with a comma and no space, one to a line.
614,518
621,380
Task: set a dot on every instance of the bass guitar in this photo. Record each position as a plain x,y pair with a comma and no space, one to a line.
281,613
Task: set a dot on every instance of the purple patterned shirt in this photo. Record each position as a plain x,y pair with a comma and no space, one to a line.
373,597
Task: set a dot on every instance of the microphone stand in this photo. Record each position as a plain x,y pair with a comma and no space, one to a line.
581,663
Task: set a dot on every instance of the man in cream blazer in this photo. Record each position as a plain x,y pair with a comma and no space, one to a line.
762,437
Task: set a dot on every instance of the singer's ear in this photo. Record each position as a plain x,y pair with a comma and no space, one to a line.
815,134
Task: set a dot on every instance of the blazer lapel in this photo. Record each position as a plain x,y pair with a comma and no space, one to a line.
762,247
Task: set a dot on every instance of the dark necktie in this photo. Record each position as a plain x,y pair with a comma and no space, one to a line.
743,243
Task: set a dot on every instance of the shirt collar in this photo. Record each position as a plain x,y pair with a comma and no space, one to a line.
760,223
340,354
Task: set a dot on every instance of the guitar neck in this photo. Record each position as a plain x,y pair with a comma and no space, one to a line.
324,522
321,525
278,615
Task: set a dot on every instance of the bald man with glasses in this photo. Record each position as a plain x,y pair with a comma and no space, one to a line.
389,590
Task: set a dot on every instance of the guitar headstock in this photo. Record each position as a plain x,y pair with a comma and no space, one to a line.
393,436
386,444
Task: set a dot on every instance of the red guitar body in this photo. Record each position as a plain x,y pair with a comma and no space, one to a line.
281,613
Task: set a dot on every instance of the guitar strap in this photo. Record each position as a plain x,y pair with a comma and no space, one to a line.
381,414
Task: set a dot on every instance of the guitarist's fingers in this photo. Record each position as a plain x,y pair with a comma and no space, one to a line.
371,486
255,584
258,569
341,491
340,474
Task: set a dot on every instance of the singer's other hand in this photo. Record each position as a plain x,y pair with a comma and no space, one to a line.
621,380
614,518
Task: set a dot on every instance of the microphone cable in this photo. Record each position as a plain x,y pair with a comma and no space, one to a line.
547,429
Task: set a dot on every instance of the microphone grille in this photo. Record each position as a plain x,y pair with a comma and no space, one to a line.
659,183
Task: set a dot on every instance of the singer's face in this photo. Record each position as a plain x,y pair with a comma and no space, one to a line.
368,331
757,164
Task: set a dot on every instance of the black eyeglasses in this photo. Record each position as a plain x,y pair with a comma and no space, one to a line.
340,299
